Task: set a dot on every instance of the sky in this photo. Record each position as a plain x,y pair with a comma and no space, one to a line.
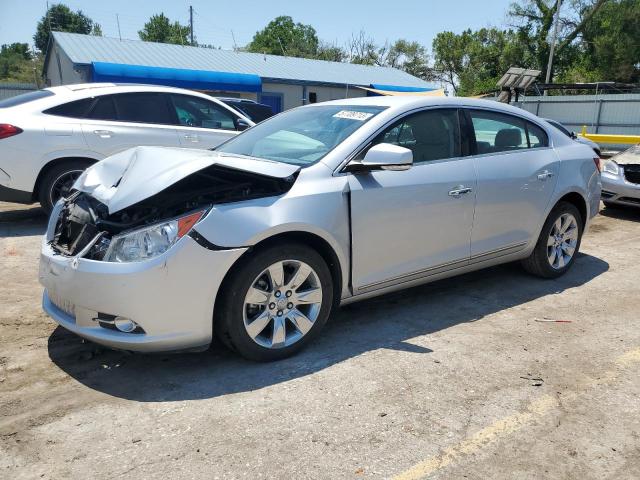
223,23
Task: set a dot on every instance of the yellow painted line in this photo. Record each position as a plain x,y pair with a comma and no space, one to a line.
504,426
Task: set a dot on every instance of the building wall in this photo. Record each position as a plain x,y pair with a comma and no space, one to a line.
60,70
293,94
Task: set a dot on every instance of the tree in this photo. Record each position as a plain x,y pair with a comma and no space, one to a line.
534,20
18,63
331,53
472,62
363,50
610,43
410,57
160,29
60,18
282,36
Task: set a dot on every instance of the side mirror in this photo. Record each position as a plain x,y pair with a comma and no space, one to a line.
242,124
383,156
573,135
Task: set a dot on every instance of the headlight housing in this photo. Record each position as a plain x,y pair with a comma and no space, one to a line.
610,167
151,241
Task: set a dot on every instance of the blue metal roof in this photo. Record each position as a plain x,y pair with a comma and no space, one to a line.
86,49
176,77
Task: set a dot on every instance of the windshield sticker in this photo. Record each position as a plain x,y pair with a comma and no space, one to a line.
353,115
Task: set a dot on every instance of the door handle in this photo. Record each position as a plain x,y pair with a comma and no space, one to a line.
460,190
103,133
544,175
191,137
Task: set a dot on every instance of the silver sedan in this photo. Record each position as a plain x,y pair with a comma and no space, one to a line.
621,178
159,249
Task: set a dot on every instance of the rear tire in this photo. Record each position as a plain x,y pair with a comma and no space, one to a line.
556,250
57,182
286,314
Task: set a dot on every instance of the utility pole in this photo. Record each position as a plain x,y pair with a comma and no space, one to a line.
554,37
191,23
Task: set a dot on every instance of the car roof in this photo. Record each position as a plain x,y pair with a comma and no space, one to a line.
409,102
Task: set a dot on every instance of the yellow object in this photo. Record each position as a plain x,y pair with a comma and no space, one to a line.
609,138
430,93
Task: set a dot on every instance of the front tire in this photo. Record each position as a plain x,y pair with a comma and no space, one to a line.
558,244
274,302
57,182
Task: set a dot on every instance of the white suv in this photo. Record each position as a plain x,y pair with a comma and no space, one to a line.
48,137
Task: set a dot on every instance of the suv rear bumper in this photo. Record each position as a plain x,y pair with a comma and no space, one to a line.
16,196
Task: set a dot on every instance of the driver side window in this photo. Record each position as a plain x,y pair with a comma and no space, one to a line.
198,112
430,135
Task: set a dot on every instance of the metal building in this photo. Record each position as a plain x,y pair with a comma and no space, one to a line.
281,82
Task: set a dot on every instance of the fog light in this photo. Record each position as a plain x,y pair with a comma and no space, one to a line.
125,325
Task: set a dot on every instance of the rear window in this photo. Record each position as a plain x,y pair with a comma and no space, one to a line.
25,98
75,109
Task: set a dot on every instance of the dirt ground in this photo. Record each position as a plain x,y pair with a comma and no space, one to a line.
464,378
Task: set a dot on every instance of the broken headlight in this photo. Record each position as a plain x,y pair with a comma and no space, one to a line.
610,167
151,241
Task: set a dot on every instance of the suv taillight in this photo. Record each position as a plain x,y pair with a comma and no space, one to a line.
7,130
596,160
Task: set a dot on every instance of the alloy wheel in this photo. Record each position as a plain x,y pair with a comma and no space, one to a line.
61,186
282,304
562,241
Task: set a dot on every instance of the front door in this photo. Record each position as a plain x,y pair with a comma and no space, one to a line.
202,123
517,173
410,224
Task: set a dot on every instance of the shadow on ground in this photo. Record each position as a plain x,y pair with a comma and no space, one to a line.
384,322
622,213
22,221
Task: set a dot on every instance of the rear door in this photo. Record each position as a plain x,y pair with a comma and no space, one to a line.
120,121
517,173
413,223
201,123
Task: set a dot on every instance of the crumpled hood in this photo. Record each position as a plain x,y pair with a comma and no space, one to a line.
129,177
631,156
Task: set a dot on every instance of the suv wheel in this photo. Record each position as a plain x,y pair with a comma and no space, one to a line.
558,243
274,302
57,182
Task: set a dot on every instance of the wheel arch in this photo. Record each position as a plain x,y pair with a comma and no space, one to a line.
316,242
578,201
51,164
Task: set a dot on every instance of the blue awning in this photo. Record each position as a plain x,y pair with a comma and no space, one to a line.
398,88
176,77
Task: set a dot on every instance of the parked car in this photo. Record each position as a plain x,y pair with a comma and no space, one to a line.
577,138
48,137
621,178
253,110
321,205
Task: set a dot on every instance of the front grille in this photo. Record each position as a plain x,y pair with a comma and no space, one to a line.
632,173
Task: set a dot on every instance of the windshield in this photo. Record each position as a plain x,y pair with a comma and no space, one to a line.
301,136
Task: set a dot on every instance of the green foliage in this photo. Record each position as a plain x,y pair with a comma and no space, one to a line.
61,18
284,37
160,29
473,61
410,57
611,44
18,63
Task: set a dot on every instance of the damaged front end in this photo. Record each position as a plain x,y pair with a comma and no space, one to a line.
85,226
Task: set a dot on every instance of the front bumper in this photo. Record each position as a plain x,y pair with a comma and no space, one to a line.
171,296
616,189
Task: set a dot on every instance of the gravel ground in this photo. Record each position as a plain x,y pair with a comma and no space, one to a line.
462,378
